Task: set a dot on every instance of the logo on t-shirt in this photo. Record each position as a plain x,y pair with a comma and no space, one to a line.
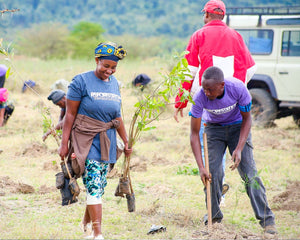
105,96
222,110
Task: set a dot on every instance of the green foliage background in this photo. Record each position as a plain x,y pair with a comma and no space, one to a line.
145,18
72,28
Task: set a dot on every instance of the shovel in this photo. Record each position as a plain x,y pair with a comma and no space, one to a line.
208,192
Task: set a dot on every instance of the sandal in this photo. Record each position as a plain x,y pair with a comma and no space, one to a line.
92,236
99,237
89,236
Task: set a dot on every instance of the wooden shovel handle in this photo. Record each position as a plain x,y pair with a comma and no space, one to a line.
66,164
208,192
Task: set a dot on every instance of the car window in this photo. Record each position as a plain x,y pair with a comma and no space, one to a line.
258,41
290,43
280,21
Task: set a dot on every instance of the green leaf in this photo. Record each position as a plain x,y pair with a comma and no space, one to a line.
8,73
149,128
137,105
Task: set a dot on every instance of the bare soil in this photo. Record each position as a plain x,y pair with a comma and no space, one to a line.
289,199
286,200
219,231
7,185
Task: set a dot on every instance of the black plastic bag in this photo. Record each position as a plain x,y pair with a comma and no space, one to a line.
8,112
66,195
60,180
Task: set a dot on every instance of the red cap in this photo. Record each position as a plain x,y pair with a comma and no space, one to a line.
211,5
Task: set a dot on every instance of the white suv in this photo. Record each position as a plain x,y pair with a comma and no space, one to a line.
273,38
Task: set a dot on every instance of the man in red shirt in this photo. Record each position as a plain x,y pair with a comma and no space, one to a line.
215,44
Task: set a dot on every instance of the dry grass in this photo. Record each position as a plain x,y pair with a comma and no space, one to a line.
162,196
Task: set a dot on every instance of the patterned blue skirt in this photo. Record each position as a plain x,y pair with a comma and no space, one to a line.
94,178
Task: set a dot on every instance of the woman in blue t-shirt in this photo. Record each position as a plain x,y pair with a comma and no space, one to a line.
94,97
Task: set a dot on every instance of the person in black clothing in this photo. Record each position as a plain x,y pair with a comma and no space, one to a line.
141,81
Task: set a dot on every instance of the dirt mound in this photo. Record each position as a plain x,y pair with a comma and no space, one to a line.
24,188
138,164
35,149
159,160
289,199
219,231
6,184
51,165
9,186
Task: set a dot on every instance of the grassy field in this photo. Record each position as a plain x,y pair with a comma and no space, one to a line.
165,195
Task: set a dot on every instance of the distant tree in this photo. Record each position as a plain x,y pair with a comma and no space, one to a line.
84,37
143,18
85,30
46,40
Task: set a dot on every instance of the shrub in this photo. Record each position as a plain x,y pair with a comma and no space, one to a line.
45,40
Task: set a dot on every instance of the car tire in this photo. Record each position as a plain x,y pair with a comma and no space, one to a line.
296,117
264,109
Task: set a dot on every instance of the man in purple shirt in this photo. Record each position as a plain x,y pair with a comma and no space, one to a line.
225,106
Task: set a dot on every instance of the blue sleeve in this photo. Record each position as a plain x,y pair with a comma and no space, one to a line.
245,99
191,115
246,108
75,89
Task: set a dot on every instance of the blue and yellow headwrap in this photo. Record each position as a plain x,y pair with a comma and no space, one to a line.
110,51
